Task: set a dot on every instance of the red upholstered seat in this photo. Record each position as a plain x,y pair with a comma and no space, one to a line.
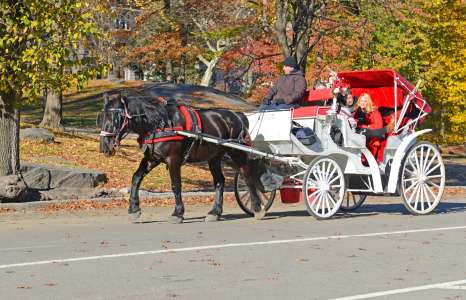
309,112
312,96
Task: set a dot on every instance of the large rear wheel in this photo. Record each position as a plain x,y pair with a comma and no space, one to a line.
243,196
422,178
324,188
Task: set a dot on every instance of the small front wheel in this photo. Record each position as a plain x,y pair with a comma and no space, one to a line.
422,178
352,201
323,188
243,196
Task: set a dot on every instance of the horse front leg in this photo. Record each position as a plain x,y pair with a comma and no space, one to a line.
174,167
215,167
145,166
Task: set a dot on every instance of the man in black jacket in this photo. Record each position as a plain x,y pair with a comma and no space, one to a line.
288,90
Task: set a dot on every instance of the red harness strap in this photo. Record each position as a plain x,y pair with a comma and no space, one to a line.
185,111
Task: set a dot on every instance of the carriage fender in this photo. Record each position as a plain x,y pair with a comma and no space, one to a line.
399,156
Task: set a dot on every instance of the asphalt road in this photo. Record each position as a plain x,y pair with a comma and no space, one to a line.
378,251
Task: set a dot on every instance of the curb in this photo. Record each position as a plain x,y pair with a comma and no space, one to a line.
161,195
41,204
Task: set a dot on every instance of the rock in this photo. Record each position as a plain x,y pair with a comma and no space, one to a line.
61,177
37,178
82,193
11,188
37,134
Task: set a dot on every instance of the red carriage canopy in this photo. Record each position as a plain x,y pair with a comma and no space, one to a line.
380,85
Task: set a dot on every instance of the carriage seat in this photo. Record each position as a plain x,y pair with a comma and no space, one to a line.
316,97
309,112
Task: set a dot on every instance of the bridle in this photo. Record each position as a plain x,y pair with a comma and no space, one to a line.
127,117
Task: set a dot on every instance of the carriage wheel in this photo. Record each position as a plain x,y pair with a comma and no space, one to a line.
244,199
422,178
324,188
352,201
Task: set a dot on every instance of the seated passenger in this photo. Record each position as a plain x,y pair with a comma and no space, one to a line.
288,90
346,102
368,117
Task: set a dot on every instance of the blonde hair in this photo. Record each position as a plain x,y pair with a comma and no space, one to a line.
370,105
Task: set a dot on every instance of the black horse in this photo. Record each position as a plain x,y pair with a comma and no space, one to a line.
144,117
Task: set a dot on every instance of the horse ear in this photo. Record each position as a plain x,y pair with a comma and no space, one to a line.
105,99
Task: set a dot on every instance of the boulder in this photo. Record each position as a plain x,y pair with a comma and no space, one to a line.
37,177
11,188
46,177
37,134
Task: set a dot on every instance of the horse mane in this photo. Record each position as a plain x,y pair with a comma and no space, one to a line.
151,111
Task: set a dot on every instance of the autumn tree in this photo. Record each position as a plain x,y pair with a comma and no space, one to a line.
300,25
37,42
82,56
424,40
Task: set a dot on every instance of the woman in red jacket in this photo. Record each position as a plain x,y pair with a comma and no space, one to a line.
368,116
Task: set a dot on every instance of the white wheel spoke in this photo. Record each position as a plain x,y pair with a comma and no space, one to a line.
434,176
430,162
426,160
313,194
411,163
331,175
433,169
421,159
432,193
426,196
248,201
416,192
335,186
409,179
319,201
434,184
316,174
334,179
331,199
327,204
416,161
421,193
411,186
413,193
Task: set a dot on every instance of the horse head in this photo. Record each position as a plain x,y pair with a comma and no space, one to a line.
113,122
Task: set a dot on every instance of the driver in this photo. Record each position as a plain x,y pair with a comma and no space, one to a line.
288,90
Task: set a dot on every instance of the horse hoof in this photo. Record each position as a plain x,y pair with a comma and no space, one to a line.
134,217
259,215
212,218
175,220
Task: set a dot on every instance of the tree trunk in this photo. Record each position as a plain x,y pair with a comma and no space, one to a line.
169,71
11,184
53,111
207,77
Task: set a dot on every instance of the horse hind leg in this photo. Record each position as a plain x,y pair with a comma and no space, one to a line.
145,166
174,167
246,167
215,167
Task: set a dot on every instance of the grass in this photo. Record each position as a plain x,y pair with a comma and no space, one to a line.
80,108
76,151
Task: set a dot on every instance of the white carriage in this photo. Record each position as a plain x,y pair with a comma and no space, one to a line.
330,175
